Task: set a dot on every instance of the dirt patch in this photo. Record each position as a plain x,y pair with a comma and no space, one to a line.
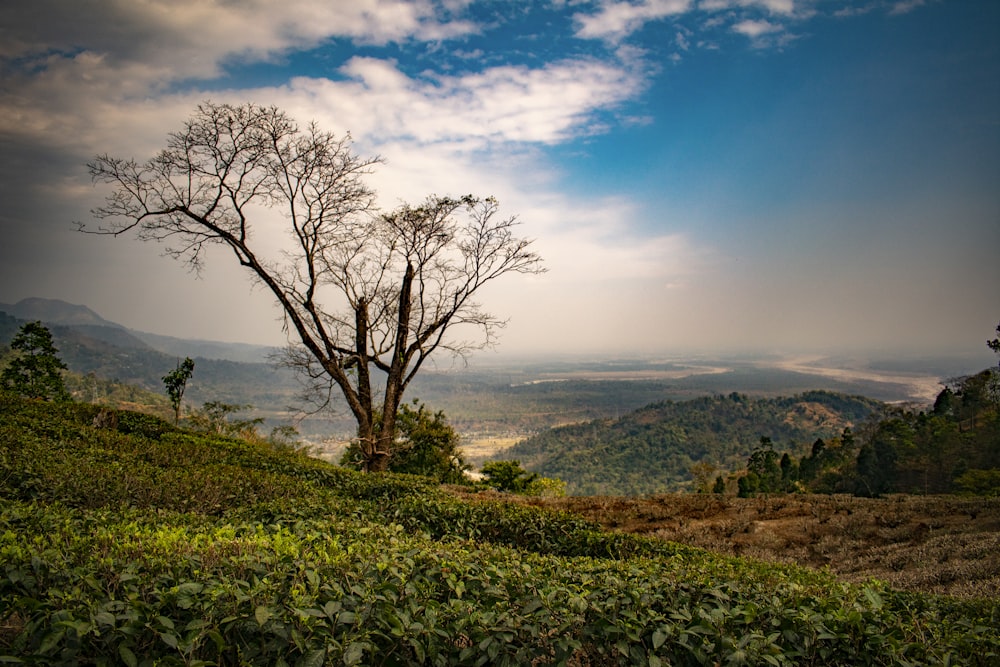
936,544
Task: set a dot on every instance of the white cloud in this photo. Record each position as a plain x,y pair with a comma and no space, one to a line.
495,106
79,81
82,74
754,29
479,132
617,20
905,7
193,37
781,7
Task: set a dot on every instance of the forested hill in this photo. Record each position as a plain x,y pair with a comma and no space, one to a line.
653,449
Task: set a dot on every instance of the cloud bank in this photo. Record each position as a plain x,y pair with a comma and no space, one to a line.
413,81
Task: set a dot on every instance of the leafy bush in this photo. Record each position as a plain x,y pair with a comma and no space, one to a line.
183,548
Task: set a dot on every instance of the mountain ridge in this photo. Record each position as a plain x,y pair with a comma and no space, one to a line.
56,311
82,318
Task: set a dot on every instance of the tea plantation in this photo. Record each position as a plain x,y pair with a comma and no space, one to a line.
137,543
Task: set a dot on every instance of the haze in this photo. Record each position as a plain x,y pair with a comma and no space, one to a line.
722,175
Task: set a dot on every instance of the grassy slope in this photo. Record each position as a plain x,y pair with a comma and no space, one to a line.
142,543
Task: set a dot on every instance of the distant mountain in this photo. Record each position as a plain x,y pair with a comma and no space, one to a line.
54,312
184,347
651,450
115,353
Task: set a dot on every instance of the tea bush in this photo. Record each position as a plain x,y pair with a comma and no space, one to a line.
143,546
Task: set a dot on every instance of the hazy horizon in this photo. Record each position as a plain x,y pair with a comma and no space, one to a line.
701,177
942,365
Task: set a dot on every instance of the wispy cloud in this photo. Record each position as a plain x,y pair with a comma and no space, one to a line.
451,114
543,105
101,88
781,7
616,20
754,29
195,37
905,6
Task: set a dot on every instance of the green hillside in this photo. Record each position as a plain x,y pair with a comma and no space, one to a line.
652,450
111,353
137,543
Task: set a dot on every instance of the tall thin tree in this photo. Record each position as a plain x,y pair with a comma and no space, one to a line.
175,382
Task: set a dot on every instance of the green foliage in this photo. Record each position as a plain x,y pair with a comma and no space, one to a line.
657,448
949,449
510,477
979,482
114,393
763,472
546,487
995,343
507,476
191,549
426,444
175,383
36,370
220,418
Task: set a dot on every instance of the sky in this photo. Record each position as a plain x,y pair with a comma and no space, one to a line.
710,176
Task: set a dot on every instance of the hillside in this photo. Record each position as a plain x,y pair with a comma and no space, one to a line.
941,544
112,353
652,450
55,312
126,540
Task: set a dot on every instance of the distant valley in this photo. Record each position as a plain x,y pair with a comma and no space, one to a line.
494,401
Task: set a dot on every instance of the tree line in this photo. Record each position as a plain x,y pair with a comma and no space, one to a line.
662,446
954,447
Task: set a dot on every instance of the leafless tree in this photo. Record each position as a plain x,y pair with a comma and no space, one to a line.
367,296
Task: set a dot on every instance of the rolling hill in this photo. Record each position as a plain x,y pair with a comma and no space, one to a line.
652,450
125,540
89,344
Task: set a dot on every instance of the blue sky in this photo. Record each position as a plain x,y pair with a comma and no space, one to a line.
700,175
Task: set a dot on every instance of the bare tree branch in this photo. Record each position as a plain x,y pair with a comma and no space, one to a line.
366,295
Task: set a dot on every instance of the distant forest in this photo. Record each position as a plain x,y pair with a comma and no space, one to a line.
660,448
815,442
952,448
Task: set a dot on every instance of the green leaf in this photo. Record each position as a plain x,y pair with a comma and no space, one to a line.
874,599
191,588
216,636
127,656
354,653
104,618
50,641
418,650
262,614
314,658
533,605
659,638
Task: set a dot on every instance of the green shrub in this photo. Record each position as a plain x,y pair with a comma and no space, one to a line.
157,546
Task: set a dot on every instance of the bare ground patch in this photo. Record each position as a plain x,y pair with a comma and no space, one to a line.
935,544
